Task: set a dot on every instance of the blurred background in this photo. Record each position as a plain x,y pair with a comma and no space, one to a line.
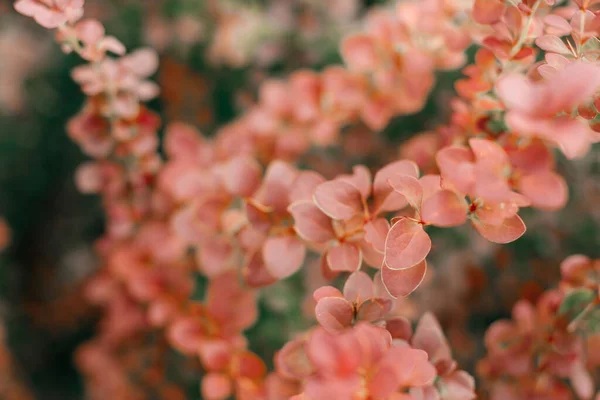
213,56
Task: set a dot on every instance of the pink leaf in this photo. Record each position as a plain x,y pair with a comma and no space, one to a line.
361,179
338,199
283,255
90,31
508,231
517,92
310,223
581,380
557,25
444,209
277,182
488,153
488,11
399,328
401,283
429,337
552,44
360,53
334,313
358,287
240,176
375,233
255,273
374,309
572,266
456,168
406,245
546,190
345,257
305,185
142,62
385,197
326,291
216,386
371,256
408,187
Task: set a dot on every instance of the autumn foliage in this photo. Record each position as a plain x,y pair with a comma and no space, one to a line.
252,206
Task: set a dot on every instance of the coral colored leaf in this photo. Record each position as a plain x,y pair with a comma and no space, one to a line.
291,361
399,328
371,256
508,231
142,62
429,337
338,199
334,313
249,365
456,168
283,255
552,44
216,386
375,233
231,305
582,382
444,209
358,287
240,176
345,257
573,137
305,185
255,273
326,270
546,190
488,11
558,25
431,184
517,92
401,283
310,223
214,255
406,245
90,31
360,53
408,187
574,265
275,189
374,309
386,199
488,153
360,178
326,291
186,334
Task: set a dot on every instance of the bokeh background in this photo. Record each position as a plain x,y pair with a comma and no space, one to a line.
50,254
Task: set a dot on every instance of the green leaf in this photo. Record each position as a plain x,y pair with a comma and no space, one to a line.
575,302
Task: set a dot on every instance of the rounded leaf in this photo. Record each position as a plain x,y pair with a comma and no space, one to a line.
310,223
546,190
216,386
406,245
385,197
283,255
444,209
358,287
338,199
408,187
508,231
374,309
345,257
334,313
375,233
401,283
